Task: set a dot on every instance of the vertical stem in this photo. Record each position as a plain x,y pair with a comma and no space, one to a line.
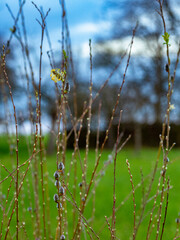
133,193
88,120
42,24
113,227
3,65
78,226
40,132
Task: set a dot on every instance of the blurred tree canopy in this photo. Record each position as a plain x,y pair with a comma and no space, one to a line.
144,95
143,98
11,71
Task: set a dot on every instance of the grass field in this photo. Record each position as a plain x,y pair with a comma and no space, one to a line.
145,160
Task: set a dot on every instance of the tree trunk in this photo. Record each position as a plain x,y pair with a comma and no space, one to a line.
137,137
52,139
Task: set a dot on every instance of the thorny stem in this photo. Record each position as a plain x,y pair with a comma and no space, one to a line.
62,221
177,230
77,229
4,208
42,24
133,193
15,21
17,141
109,227
87,224
19,188
74,161
113,226
10,174
97,149
165,214
25,52
88,120
98,93
62,31
150,187
129,195
166,123
167,119
72,65
153,208
40,132
61,112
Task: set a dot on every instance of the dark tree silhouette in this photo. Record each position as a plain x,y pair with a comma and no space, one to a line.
144,96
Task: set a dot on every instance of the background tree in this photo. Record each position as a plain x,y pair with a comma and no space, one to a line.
15,85
144,96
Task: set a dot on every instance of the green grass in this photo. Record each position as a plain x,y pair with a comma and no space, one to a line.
145,160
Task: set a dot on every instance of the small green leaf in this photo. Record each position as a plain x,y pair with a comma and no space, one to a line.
13,30
166,38
65,55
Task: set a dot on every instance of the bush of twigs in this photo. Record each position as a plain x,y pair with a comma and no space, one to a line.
29,182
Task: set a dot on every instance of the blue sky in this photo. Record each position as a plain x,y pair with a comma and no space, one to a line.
85,20
84,16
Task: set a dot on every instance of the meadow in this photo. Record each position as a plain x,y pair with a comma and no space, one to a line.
101,202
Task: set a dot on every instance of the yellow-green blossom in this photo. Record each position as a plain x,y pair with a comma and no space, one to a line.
58,75
171,107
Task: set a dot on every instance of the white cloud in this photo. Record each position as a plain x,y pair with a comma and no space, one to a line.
90,28
140,47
